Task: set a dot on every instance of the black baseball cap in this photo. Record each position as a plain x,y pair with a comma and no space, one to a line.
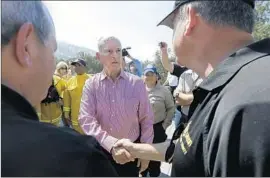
79,61
168,20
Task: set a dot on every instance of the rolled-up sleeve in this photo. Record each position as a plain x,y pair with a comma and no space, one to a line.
146,115
185,83
87,118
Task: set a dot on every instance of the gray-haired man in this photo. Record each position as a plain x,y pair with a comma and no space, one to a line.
31,148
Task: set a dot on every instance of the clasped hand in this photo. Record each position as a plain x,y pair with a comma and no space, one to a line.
123,152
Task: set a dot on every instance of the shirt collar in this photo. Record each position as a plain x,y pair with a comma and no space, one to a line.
17,103
122,75
229,67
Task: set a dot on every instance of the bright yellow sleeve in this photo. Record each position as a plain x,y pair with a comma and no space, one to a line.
67,104
63,85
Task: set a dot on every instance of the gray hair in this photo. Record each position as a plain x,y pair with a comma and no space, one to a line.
103,40
16,13
234,13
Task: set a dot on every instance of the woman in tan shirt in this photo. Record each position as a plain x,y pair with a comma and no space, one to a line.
163,107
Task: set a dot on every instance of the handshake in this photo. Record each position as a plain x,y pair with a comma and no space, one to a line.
124,151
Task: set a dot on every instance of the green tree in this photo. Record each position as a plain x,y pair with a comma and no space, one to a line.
162,72
262,23
145,63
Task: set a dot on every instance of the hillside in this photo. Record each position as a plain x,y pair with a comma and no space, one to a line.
66,51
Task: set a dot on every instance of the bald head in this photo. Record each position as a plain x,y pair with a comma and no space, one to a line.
17,13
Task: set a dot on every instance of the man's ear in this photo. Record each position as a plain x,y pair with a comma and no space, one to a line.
24,39
191,21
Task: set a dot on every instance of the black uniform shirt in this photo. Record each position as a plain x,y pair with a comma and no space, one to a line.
229,129
30,148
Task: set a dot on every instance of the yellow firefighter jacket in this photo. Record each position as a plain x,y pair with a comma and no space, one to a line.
72,99
52,112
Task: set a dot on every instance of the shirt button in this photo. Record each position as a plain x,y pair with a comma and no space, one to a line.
113,86
113,101
110,129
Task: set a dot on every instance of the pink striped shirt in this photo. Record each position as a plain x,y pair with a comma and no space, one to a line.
113,110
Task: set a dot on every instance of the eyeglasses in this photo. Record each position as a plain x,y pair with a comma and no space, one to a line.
63,68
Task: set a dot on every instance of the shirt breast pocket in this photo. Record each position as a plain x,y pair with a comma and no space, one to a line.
131,106
102,103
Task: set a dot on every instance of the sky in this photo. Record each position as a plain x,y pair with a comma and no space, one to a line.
82,23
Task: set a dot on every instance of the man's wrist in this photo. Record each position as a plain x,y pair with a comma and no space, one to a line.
134,150
181,95
112,149
165,52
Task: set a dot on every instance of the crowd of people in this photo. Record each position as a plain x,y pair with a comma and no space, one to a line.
61,121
